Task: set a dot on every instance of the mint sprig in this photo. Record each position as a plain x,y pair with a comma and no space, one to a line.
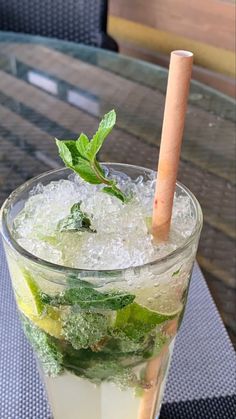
45,347
85,329
89,298
99,367
77,220
81,156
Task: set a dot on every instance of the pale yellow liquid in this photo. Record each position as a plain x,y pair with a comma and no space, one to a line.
72,397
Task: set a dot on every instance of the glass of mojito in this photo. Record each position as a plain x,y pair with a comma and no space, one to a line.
100,301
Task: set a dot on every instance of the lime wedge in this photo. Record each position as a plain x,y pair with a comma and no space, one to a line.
27,289
164,300
170,311
136,314
50,322
28,297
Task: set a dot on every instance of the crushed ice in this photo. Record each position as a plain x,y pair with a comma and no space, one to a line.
122,237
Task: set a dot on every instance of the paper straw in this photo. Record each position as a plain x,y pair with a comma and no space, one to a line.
154,375
172,132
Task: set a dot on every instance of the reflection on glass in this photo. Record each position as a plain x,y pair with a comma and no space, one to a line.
42,81
84,102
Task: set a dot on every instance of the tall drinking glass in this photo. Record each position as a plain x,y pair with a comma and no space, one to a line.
122,374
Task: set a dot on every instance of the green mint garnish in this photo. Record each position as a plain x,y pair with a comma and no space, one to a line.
81,156
126,344
76,221
74,281
45,347
99,367
85,329
111,371
89,298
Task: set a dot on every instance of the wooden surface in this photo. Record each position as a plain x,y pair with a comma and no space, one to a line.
209,21
207,27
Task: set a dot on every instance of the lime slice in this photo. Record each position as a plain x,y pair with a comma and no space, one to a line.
50,326
170,309
28,297
50,323
164,300
168,305
27,290
137,314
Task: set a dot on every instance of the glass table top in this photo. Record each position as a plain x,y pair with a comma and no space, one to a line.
51,88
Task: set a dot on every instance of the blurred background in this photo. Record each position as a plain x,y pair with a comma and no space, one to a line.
150,30
84,65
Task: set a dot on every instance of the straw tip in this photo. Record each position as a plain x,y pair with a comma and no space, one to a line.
182,53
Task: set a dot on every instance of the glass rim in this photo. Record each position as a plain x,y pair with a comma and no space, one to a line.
7,235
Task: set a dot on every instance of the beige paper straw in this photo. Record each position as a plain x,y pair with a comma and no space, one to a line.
172,132
154,376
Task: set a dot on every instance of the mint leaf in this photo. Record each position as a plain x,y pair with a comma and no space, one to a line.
82,145
76,221
105,127
85,329
45,347
86,170
73,281
89,298
114,191
68,152
75,160
135,331
125,343
80,156
64,152
111,371
98,367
